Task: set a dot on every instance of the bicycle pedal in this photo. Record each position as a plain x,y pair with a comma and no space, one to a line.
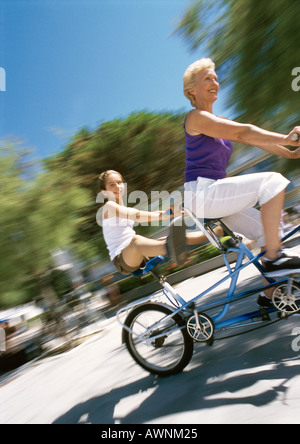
282,315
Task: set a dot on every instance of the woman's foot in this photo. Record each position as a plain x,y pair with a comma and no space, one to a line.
287,262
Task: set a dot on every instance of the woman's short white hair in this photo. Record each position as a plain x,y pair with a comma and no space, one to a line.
191,73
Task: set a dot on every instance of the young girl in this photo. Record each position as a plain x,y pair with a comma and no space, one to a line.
127,250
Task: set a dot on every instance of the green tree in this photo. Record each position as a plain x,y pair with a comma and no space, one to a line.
146,148
255,46
12,204
37,217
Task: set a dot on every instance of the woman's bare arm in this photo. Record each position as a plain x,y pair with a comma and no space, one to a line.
203,122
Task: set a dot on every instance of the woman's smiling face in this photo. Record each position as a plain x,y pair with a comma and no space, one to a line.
206,87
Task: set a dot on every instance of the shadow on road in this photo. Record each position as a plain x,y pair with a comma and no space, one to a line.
253,370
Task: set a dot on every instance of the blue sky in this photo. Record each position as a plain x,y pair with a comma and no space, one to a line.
71,64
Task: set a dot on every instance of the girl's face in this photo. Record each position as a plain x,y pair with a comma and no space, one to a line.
114,187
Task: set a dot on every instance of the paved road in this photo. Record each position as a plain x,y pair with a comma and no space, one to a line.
253,378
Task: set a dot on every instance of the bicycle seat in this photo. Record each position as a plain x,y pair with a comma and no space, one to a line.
149,266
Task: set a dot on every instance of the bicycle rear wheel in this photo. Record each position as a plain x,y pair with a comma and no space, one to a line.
158,344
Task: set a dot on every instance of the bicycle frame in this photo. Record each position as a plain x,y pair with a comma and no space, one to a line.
186,308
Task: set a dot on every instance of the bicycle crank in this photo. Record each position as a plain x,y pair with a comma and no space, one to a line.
286,297
200,327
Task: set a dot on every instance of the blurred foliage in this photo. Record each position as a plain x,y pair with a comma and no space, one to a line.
36,218
255,46
147,149
61,282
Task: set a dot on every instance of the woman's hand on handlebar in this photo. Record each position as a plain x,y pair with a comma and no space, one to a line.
293,138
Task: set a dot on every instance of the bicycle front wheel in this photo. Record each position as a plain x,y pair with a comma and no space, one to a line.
158,343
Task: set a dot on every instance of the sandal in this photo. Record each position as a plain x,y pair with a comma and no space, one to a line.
176,242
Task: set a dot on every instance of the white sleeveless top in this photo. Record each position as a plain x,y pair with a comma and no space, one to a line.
117,234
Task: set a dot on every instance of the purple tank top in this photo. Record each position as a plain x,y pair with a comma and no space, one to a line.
206,157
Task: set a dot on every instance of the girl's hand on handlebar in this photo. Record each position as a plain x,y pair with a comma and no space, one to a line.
173,211
167,215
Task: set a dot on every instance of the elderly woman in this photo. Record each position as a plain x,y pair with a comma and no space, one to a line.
210,194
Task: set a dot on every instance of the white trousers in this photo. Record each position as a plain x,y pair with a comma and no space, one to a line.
233,199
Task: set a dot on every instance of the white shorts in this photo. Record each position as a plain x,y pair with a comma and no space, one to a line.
233,199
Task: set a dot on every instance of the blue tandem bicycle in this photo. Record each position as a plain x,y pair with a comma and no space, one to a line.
160,330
